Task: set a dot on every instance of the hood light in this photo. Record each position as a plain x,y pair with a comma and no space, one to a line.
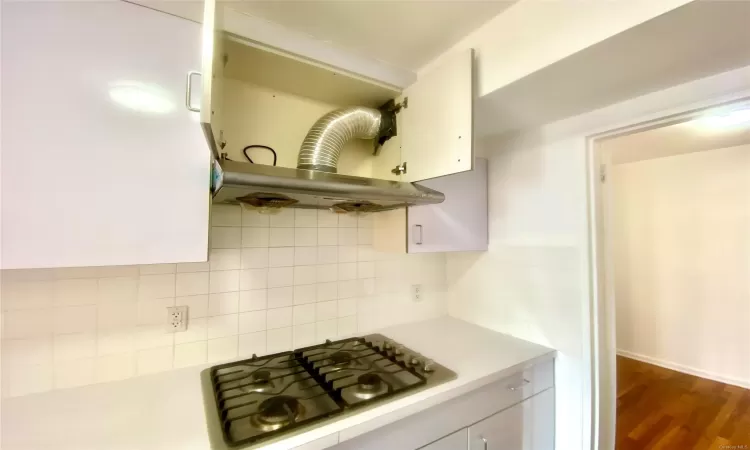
141,97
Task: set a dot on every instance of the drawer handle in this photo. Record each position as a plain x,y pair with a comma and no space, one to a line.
484,441
189,92
518,386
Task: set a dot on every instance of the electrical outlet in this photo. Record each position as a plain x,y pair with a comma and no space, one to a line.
177,318
416,293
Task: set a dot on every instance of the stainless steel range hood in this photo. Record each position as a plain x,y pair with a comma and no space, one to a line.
315,182
314,189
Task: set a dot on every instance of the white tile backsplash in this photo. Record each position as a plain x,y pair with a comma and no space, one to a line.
226,237
282,237
252,343
305,275
305,237
114,367
305,256
304,294
278,318
279,340
190,354
325,310
280,297
222,349
221,259
197,305
283,219
255,237
281,257
223,326
154,360
274,282
326,291
253,219
224,281
75,292
254,258
253,300
327,236
251,279
223,303
252,321
303,335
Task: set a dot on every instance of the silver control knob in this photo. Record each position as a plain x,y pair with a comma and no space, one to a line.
387,345
413,361
398,350
428,365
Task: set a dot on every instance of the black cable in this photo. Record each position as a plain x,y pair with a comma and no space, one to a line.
244,150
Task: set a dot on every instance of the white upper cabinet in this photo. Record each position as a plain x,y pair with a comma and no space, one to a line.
457,224
102,163
437,125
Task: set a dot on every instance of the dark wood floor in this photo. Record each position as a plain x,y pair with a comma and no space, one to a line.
662,409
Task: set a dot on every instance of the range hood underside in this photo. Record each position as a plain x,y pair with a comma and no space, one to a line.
317,190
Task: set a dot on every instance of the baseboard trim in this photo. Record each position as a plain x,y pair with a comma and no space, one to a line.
685,369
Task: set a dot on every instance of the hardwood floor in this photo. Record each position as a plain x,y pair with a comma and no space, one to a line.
662,409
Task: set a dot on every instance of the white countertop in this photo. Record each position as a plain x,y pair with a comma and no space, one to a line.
165,411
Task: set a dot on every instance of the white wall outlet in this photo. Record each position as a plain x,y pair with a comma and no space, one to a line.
177,318
416,293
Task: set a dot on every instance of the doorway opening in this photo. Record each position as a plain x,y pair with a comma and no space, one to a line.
671,247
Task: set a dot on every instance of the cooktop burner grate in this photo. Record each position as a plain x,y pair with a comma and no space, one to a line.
262,397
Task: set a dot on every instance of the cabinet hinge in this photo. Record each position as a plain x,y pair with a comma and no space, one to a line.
603,173
399,169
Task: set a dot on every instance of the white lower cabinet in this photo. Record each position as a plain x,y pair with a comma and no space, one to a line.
528,425
513,413
456,441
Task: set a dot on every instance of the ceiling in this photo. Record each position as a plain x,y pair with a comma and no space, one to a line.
699,39
686,137
407,34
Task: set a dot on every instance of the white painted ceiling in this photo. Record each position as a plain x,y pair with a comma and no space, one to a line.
686,137
697,40
407,34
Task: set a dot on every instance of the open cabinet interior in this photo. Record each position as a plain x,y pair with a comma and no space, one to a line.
272,99
256,97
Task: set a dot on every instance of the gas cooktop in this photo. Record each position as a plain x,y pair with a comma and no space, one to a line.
261,399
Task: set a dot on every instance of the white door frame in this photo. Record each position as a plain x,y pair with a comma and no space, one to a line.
602,315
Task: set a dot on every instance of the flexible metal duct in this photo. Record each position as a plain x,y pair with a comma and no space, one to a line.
322,146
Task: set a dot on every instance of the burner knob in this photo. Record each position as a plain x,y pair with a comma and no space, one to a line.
399,349
387,345
413,361
428,365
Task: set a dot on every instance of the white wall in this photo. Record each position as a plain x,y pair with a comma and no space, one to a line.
529,283
272,283
536,281
681,237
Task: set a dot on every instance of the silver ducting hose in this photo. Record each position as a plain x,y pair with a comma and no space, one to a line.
322,146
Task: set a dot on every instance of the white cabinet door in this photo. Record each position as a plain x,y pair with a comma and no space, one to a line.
211,75
529,425
456,441
437,125
457,224
102,164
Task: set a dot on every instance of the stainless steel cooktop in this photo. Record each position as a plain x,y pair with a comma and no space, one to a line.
259,400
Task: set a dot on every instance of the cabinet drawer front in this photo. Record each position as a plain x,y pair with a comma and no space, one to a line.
432,424
529,425
456,441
